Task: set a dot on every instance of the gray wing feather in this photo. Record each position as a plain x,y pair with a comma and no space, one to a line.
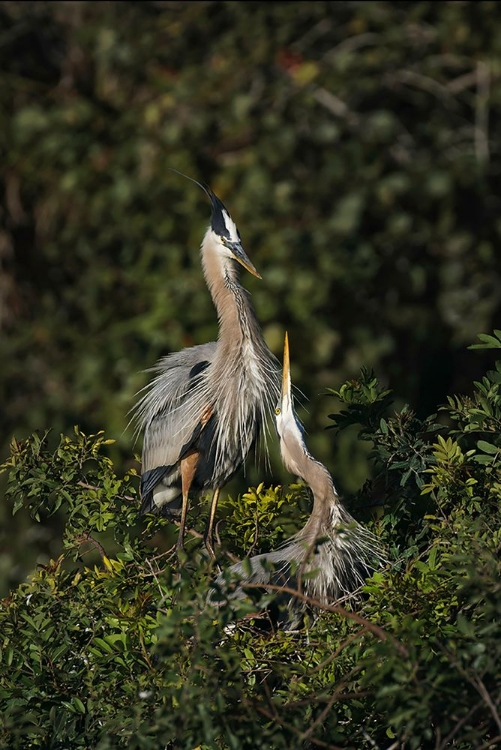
162,414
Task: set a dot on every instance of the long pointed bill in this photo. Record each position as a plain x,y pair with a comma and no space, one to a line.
241,256
286,375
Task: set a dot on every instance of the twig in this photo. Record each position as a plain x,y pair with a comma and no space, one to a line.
445,743
463,82
285,725
418,80
351,44
88,486
313,33
482,112
321,716
155,577
312,601
336,695
479,686
94,487
84,538
331,657
491,744
336,106
323,699
484,693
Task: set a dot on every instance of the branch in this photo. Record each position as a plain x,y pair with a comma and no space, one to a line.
482,112
335,654
491,744
484,694
381,634
84,538
351,44
446,742
336,106
285,725
418,80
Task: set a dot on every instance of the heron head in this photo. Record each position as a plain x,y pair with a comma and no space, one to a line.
227,235
224,230
289,428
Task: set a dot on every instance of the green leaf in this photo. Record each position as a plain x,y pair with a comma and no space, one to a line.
79,705
488,342
487,447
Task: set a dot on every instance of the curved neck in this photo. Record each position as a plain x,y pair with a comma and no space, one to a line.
299,461
324,500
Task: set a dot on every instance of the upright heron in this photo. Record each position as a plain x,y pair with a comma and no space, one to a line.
332,554
207,404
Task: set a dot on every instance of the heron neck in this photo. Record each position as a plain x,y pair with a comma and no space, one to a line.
232,302
299,461
320,518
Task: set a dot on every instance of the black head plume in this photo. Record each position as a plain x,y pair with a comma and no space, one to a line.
218,223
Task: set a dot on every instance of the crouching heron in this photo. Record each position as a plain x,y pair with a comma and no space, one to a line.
207,404
330,557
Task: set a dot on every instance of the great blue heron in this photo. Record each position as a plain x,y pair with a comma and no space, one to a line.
330,557
206,406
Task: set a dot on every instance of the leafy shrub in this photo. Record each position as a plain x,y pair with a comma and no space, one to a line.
112,645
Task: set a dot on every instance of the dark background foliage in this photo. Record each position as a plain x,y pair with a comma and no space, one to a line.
357,145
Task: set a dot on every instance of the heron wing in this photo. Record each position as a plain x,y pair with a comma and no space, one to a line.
173,412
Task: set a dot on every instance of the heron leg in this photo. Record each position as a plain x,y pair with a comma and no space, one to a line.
210,523
188,467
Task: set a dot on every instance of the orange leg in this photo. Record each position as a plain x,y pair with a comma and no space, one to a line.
188,468
210,523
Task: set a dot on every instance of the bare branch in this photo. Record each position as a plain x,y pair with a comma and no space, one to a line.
491,744
351,44
418,80
336,106
484,694
282,723
462,82
482,112
381,634
313,33
446,742
88,486
335,654
87,538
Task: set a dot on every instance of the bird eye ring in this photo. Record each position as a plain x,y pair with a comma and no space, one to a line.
278,410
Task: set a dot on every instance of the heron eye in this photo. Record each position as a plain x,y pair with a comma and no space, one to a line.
278,411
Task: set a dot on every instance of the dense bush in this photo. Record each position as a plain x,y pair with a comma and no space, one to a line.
112,645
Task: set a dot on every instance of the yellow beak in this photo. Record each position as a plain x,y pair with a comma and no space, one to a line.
286,372
248,265
241,257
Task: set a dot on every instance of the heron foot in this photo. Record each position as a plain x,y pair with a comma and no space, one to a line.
209,546
180,549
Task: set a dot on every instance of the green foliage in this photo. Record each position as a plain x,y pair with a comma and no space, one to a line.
266,515
113,644
488,341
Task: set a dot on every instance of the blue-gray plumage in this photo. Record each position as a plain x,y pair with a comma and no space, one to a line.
331,555
207,404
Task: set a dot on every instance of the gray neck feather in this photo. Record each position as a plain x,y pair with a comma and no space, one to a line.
243,377
315,474
237,319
